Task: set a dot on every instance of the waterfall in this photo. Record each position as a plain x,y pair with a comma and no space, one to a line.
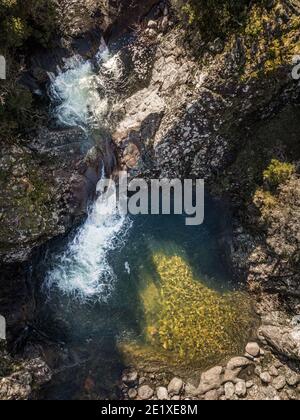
80,97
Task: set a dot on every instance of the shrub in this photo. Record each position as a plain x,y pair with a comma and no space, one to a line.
213,17
23,27
278,173
36,21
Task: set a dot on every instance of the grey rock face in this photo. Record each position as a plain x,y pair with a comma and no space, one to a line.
285,340
27,375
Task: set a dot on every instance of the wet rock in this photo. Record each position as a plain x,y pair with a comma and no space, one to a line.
11,389
162,393
253,349
28,375
145,392
175,386
39,370
151,33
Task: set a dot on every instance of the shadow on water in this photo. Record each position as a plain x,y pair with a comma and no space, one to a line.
80,339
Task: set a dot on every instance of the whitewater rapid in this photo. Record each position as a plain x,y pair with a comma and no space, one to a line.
81,95
81,99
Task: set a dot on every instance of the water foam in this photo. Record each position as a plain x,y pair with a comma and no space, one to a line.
80,95
81,99
83,270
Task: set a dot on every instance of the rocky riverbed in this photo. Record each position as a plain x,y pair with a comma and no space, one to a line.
258,375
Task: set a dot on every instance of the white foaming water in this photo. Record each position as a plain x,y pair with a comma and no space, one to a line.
83,269
82,96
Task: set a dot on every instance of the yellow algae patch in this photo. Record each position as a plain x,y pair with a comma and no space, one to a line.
186,321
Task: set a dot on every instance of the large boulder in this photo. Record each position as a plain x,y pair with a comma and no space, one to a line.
284,340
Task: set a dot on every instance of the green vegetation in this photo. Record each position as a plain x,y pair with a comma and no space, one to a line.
269,31
35,22
271,39
214,18
275,176
278,173
23,27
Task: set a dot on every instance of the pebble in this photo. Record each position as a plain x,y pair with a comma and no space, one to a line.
130,377
142,380
175,386
258,370
162,393
273,371
241,389
132,393
292,378
211,396
145,392
279,383
253,349
278,364
249,384
266,377
238,362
